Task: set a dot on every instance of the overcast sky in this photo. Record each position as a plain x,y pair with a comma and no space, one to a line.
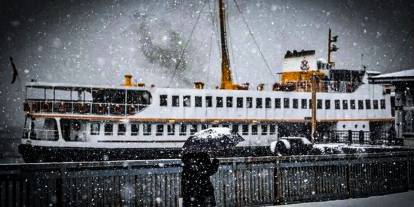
97,42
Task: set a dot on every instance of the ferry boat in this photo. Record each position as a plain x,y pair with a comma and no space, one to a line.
69,122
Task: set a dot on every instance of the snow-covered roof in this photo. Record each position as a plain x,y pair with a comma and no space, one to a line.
404,75
71,85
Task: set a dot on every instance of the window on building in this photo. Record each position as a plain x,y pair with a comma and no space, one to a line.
183,130
171,129
147,129
345,104
286,103
134,129
277,103
375,104
360,104
187,101
319,104
225,125
367,104
304,103
160,130
215,125
327,104
109,129
337,104
239,102
259,103
204,126
264,129
121,129
175,101
254,129
235,128
219,102
198,101
249,102
382,102
352,103
268,103
209,101
272,129
229,102
193,129
295,103
245,129
163,100
95,128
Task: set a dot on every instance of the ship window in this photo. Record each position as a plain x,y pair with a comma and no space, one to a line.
360,104
375,104
345,104
264,129
249,102
235,128
239,102
121,129
160,130
295,103
209,101
134,129
245,129
183,130
186,101
327,104
198,101
286,103
175,101
204,126
368,104
109,128
171,129
337,104
193,129
310,103
95,128
304,103
277,103
254,129
225,125
382,102
147,129
352,103
273,129
215,125
219,102
259,103
163,100
229,102
268,103
319,104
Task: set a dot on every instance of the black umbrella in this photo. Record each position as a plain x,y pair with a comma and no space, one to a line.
212,140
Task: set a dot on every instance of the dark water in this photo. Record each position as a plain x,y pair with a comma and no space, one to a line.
9,141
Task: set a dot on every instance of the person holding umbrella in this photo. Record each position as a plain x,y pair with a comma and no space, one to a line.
196,186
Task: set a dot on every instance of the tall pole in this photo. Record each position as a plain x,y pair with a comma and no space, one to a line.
226,80
329,46
314,103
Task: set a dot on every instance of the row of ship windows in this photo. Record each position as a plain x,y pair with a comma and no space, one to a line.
277,103
265,129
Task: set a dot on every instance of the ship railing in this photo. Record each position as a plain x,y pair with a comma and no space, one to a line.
322,86
81,107
355,137
41,134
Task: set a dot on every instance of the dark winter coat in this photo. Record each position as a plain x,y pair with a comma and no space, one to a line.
196,187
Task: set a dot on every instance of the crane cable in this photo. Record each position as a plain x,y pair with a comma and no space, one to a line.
254,39
186,45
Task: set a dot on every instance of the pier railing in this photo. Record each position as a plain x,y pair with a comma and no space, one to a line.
239,181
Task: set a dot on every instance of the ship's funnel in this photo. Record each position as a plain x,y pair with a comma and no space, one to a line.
128,80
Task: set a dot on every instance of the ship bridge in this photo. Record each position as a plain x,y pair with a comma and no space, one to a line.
85,99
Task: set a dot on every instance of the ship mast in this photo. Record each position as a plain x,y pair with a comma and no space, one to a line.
226,80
